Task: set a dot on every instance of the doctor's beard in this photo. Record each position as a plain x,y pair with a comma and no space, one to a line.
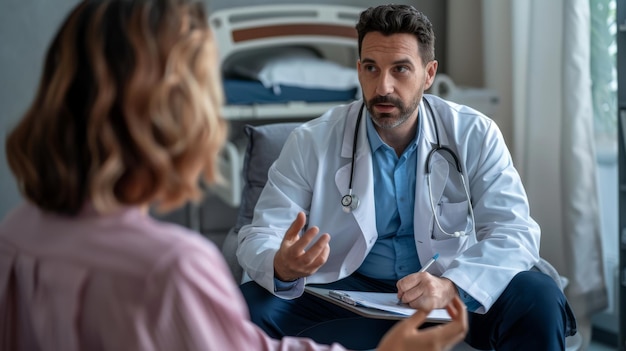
391,120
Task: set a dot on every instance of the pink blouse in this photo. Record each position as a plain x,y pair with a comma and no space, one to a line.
119,282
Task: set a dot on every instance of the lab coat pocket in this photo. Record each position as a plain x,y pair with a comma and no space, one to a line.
452,217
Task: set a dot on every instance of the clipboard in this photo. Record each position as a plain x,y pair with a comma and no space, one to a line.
374,305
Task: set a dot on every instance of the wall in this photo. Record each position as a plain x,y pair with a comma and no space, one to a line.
26,27
465,42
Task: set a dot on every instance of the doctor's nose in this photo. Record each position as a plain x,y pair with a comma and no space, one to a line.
384,84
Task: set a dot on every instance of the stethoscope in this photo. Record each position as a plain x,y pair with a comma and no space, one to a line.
351,202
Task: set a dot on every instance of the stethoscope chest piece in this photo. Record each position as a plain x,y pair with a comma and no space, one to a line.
350,202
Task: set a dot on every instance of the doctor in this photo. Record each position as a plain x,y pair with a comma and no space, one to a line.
377,188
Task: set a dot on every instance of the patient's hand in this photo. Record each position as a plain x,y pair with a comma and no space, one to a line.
405,336
291,260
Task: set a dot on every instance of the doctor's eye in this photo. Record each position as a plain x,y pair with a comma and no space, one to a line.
402,69
370,68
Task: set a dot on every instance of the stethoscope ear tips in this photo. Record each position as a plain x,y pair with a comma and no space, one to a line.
458,234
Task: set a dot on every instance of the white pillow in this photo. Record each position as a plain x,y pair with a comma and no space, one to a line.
248,64
293,66
307,72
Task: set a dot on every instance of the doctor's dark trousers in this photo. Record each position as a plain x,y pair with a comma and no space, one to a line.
531,314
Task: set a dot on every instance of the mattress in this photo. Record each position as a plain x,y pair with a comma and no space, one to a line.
250,92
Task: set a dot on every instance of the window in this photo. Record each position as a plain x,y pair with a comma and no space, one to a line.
604,97
604,74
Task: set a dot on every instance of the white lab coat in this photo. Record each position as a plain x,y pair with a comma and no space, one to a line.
312,174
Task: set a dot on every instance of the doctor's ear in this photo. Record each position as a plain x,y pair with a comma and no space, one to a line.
431,71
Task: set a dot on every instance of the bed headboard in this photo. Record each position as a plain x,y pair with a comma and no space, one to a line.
260,27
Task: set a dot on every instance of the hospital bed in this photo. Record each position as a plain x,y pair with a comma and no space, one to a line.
281,62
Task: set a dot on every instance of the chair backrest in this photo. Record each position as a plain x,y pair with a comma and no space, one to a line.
264,145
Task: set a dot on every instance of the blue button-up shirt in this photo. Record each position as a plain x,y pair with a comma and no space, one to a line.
394,254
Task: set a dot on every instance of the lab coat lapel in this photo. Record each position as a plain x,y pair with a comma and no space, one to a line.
423,215
362,183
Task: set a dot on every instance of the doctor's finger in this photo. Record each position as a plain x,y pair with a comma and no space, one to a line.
419,299
306,239
409,288
317,262
312,266
408,282
296,227
318,251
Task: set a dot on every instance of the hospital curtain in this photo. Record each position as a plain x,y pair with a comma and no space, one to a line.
555,143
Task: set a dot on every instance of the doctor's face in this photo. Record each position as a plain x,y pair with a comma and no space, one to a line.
393,78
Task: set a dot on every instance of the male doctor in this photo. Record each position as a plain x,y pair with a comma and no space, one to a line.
363,196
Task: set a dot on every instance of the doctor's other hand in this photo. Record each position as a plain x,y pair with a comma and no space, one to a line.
295,258
425,291
405,335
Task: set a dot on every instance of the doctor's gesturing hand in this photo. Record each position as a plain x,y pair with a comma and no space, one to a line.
293,260
425,291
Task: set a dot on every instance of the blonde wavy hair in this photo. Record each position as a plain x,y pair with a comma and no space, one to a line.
127,111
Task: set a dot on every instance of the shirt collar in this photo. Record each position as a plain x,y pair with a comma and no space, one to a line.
376,142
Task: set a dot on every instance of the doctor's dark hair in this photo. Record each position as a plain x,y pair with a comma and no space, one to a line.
127,111
393,19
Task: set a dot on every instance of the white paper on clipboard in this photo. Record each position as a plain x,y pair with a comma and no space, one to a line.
387,303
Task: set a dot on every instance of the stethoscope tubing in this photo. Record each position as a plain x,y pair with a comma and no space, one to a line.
437,148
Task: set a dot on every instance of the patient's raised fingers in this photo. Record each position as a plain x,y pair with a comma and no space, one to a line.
417,319
456,309
457,328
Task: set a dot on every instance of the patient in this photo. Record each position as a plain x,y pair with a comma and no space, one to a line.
126,118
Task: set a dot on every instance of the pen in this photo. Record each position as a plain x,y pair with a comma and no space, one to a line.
429,263
424,268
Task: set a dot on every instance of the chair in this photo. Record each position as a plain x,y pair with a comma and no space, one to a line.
264,145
